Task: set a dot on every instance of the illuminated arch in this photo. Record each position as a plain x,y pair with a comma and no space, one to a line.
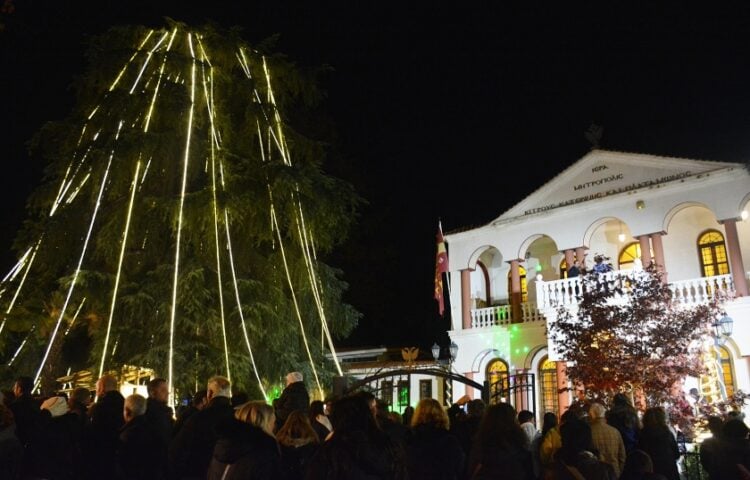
497,375
547,375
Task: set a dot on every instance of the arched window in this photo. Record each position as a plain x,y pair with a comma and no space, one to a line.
727,370
548,385
497,376
712,253
628,254
524,289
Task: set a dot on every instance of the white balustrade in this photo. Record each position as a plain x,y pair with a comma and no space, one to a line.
701,290
502,315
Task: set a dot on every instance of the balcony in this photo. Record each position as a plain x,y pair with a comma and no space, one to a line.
558,293
501,315
695,291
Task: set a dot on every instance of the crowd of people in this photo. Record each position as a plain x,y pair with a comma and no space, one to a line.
224,437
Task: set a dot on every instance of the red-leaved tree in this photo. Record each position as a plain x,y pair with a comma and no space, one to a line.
628,333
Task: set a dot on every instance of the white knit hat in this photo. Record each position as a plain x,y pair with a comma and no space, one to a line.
57,406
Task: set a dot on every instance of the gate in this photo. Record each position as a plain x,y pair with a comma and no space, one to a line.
519,390
394,386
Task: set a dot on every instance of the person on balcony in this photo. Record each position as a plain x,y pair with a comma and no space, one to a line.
600,266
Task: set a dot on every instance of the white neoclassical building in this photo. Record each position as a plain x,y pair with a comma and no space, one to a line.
508,276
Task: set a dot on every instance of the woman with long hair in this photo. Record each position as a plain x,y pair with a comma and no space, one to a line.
501,448
319,420
657,440
432,452
550,441
298,442
357,448
246,448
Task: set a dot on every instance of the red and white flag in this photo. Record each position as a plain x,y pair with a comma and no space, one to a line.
441,266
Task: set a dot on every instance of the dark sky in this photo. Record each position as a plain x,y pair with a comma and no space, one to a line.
455,111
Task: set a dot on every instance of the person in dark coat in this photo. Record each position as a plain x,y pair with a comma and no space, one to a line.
467,427
105,422
158,413
197,404
501,448
319,420
298,442
294,397
57,452
141,453
246,449
711,447
575,460
11,449
733,460
357,449
638,466
624,418
657,440
191,450
431,451
25,410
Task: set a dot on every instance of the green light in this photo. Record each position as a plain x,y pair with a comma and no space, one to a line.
538,267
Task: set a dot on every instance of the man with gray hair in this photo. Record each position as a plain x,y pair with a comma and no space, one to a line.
191,450
606,439
140,452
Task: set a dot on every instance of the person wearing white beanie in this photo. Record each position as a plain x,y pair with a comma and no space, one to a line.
56,406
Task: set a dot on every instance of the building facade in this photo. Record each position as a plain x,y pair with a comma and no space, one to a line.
507,278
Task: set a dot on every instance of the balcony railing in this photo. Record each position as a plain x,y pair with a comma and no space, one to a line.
502,315
558,293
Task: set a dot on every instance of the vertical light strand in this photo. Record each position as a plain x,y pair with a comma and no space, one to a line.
20,347
145,62
20,285
20,264
77,271
294,301
179,226
214,145
119,266
125,67
75,316
158,82
239,306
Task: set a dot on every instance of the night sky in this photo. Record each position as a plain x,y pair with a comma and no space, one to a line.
454,112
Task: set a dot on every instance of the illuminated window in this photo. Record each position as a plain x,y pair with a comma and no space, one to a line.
727,370
548,385
386,392
628,254
713,254
425,389
403,395
497,376
524,289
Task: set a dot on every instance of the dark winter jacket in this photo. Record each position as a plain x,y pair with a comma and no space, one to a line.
245,452
355,456
57,451
584,464
434,453
510,464
294,397
661,446
26,416
295,460
141,454
320,429
191,450
10,453
731,455
159,416
625,419
101,436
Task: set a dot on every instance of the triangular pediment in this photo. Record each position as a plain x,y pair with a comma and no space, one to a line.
603,173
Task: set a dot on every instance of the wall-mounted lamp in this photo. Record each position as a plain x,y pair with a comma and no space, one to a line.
744,215
640,205
621,236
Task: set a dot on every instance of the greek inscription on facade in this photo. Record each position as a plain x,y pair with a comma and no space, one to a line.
594,183
599,168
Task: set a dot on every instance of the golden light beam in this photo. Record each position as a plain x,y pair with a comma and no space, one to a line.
119,266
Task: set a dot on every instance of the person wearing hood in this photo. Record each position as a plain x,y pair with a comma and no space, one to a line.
57,452
141,454
246,448
294,397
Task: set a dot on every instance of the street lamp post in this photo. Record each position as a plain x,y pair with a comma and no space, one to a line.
446,364
722,331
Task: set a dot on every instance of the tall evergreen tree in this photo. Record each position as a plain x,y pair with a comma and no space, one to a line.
175,191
